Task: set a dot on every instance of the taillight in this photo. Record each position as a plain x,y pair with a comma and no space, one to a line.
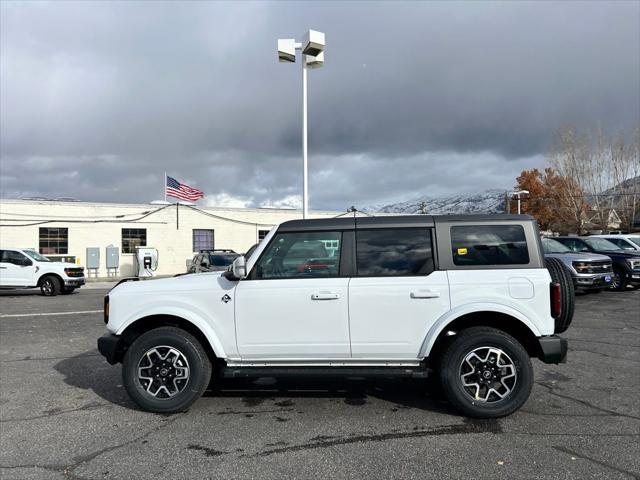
106,309
556,300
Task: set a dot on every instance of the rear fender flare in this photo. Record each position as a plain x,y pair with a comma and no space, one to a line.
442,322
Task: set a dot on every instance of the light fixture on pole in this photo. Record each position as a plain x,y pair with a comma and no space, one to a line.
517,194
312,48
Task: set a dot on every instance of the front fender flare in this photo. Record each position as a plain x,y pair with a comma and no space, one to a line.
187,314
442,322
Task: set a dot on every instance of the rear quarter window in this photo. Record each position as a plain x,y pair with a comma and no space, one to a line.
489,245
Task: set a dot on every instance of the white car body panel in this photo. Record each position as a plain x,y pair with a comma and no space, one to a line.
389,316
196,298
293,318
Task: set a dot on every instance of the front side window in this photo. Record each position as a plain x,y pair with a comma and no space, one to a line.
489,245
300,255
394,252
13,257
54,241
132,238
202,240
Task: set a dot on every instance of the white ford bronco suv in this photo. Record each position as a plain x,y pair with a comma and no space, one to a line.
25,268
465,298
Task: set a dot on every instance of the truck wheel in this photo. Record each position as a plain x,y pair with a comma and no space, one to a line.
486,373
560,274
618,280
50,286
165,370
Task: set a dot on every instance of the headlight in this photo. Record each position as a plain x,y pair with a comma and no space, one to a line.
581,267
633,264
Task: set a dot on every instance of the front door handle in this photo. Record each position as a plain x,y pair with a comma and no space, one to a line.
325,296
424,294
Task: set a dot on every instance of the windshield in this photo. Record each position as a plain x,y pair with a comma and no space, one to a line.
221,260
600,244
36,256
635,240
553,246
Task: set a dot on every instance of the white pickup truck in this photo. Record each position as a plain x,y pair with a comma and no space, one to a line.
25,268
465,298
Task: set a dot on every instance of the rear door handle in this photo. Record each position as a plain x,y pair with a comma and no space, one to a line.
325,296
424,294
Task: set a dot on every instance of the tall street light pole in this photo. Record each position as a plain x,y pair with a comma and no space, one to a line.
517,194
312,48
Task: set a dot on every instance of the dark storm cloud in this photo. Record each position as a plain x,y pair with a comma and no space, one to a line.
98,99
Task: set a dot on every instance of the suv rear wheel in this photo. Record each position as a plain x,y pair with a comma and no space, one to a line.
165,370
486,373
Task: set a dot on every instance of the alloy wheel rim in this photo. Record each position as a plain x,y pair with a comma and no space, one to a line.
47,286
488,374
163,372
615,281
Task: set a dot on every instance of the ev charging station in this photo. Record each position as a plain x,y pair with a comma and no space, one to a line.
146,261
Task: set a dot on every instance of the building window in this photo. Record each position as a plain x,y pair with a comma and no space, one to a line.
202,240
54,241
262,234
132,238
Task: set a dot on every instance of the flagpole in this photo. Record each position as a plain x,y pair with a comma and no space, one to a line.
165,186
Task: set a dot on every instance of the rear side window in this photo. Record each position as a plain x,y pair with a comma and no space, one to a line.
394,252
489,245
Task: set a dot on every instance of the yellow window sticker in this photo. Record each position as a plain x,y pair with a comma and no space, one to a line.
462,251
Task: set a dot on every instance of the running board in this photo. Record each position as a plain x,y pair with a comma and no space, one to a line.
257,372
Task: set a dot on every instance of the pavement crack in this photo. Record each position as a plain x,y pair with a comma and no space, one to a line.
585,403
470,426
54,412
596,461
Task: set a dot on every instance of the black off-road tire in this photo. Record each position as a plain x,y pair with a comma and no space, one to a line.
50,285
619,282
451,361
199,367
560,274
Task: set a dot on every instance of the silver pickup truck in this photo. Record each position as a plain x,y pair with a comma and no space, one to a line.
590,271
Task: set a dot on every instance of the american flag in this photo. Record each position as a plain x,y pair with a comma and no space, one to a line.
184,192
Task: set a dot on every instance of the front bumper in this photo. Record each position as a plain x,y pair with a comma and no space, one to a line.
553,349
74,282
593,280
109,347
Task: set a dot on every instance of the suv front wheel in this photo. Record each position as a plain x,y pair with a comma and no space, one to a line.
165,370
486,373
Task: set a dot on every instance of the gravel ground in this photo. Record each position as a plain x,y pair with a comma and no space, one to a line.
64,412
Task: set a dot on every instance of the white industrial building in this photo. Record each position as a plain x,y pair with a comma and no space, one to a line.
65,230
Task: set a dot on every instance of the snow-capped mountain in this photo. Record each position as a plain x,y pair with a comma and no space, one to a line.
489,201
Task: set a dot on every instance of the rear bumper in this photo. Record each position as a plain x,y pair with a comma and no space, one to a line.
553,349
109,347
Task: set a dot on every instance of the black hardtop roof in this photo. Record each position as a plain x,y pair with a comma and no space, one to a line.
391,221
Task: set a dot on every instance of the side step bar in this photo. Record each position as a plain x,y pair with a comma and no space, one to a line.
257,372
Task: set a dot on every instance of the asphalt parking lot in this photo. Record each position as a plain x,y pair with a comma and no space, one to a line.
65,414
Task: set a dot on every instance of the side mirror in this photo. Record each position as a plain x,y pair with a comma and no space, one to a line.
239,267
204,264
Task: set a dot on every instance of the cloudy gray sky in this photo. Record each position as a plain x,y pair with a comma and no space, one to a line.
98,99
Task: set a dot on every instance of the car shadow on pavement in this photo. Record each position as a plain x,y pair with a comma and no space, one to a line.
90,371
